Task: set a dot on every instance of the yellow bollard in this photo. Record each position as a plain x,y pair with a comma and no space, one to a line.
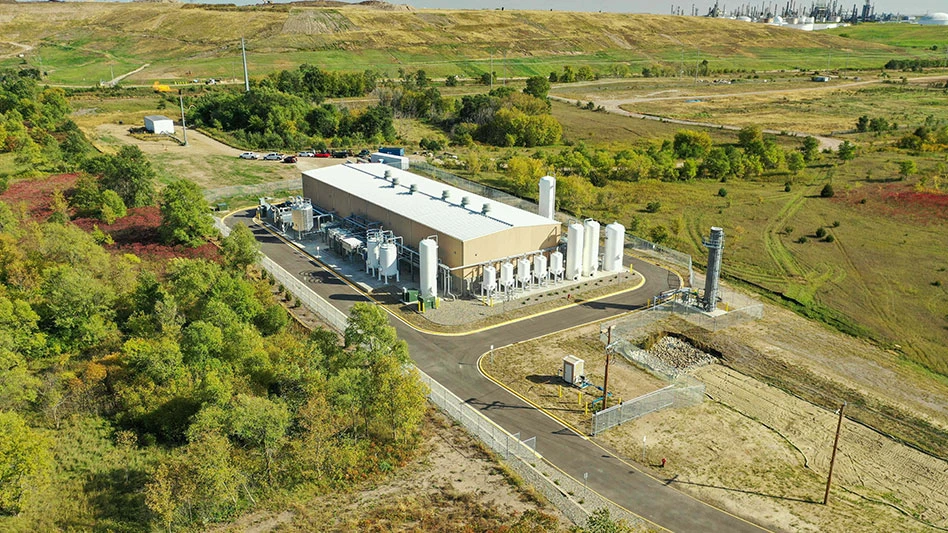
561,391
579,398
586,408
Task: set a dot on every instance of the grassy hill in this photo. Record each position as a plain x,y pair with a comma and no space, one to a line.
905,35
82,43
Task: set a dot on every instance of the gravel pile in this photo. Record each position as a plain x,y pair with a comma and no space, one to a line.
679,354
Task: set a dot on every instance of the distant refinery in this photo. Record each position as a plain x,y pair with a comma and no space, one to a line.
812,17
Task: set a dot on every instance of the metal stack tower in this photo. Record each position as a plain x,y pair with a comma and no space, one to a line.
715,246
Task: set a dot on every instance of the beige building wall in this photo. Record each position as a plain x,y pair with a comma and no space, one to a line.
451,251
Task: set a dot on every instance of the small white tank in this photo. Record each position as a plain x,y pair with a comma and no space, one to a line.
428,252
388,260
507,274
556,263
490,279
574,250
615,247
590,247
372,253
523,270
539,267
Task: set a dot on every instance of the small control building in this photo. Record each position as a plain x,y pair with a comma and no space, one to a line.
159,124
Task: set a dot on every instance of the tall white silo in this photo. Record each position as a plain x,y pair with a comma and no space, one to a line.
547,197
489,283
615,247
507,276
556,265
428,251
523,272
574,251
590,247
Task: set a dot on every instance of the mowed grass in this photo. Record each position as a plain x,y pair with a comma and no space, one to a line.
905,35
78,43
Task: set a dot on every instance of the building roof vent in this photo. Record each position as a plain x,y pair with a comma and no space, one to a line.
485,209
445,194
464,201
388,174
412,188
394,182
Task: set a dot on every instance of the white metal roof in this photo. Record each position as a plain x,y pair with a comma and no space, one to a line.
367,181
155,118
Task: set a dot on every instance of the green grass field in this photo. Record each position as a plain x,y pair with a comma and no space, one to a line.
78,43
904,35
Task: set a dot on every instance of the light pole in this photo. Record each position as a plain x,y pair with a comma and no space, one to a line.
184,128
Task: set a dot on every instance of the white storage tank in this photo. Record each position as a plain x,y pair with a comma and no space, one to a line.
303,217
590,247
547,197
388,260
574,250
428,250
523,271
539,267
615,246
490,279
507,274
556,263
372,253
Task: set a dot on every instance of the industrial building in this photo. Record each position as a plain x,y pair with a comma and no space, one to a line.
159,124
470,230
934,19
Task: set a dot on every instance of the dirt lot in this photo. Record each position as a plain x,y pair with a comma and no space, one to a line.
754,449
533,370
205,161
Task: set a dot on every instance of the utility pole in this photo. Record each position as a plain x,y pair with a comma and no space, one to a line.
492,70
605,385
829,479
184,128
243,53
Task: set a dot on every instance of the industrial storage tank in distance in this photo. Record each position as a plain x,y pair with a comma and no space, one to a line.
574,250
615,247
388,260
590,247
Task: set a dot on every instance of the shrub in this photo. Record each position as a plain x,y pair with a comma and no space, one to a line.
802,239
653,207
830,238
835,223
820,232
786,187
722,192
827,191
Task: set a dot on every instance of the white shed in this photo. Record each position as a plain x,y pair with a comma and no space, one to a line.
159,124
397,161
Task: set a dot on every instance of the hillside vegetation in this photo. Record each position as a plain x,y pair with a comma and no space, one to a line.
78,43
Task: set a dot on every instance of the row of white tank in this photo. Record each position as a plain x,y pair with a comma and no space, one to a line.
582,259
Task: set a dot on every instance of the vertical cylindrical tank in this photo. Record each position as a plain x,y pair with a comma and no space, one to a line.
372,252
507,274
590,247
574,250
539,267
490,278
523,270
388,260
547,207
615,247
556,263
428,252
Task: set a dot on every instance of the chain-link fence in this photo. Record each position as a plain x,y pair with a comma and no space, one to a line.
684,392
259,189
661,253
572,497
334,317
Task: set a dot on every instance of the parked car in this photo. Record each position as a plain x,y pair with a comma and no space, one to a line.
290,159
340,153
248,155
322,154
365,153
306,154
273,156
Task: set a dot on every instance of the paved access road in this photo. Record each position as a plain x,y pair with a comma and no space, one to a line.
452,361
